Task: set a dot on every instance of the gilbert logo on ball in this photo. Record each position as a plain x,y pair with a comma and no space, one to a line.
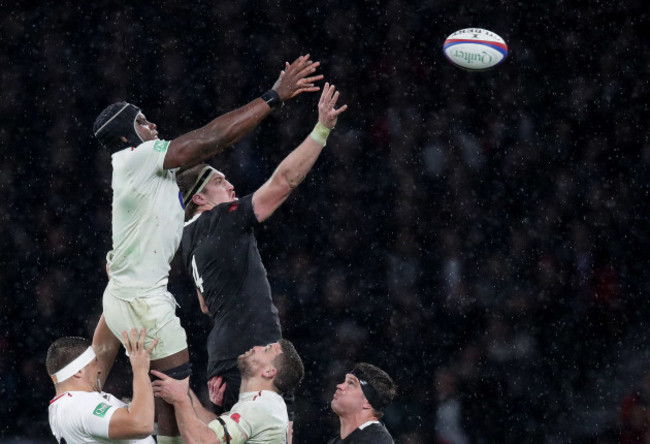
475,49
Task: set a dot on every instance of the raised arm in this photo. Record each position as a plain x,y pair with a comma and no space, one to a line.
189,417
202,413
226,130
293,169
106,347
136,421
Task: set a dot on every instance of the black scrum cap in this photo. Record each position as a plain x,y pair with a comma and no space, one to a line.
115,122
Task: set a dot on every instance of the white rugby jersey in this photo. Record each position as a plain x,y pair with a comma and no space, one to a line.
147,221
262,416
84,417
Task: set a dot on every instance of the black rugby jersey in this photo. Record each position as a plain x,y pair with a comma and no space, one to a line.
375,433
220,254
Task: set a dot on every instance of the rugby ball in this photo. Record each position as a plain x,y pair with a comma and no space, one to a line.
475,49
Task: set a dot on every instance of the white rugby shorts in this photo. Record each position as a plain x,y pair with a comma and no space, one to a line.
155,312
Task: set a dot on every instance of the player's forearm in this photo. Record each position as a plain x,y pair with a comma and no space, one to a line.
203,414
294,168
106,347
192,429
141,409
223,132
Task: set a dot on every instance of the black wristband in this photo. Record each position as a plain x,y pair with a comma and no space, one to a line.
272,99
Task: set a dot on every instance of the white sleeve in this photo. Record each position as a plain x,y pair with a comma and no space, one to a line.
250,417
145,162
96,417
234,431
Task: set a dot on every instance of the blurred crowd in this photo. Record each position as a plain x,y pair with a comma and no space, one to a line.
480,236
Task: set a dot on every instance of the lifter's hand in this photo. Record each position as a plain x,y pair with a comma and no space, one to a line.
297,78
139,356
169,389
327,114
216,387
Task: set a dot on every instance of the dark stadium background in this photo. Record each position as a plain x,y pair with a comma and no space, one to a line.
480,236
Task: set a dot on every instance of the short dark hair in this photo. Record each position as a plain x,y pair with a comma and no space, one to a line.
383,385
63,351
185,180
289,367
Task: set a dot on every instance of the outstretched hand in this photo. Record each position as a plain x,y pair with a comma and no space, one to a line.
139,356
327,114
169,389
297,78
216,388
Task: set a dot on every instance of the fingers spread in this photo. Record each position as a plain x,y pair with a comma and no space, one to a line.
127,344
141,339
340,110
153,345
313,79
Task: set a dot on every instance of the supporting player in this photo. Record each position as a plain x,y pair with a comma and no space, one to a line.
359,402
220,250
259,416
81,412
147,220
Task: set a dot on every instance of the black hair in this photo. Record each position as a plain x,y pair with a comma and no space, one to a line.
382,387
63,351
290,369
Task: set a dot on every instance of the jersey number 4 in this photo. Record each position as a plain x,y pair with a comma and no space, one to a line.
195,273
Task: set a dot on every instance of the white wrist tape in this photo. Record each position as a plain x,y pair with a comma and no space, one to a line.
72,368
320,133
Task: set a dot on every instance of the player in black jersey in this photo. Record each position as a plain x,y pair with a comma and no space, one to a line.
220,251
359,402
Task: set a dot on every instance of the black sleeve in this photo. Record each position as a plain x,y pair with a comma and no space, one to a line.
238,213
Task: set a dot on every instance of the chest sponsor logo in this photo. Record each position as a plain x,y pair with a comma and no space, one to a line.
235,417
101,409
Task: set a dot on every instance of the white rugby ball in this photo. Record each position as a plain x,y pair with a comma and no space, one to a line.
475,49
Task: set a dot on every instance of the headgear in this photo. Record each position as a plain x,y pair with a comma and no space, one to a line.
73,367
117,121
204,177
374,398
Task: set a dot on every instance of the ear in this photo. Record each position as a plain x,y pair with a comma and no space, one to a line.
269,372
198,199
79,374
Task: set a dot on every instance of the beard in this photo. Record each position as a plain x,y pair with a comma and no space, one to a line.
244,366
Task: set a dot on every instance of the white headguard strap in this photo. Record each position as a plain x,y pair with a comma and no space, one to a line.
72,368
204,177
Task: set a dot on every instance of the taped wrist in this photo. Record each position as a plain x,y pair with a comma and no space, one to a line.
227,430
320,133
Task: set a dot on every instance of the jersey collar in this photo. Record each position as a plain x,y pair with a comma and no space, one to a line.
196,216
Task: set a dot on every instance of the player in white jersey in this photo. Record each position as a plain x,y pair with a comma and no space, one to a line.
147,220
260,415
81,412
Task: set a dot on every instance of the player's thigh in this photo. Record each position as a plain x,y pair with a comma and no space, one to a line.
156,313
